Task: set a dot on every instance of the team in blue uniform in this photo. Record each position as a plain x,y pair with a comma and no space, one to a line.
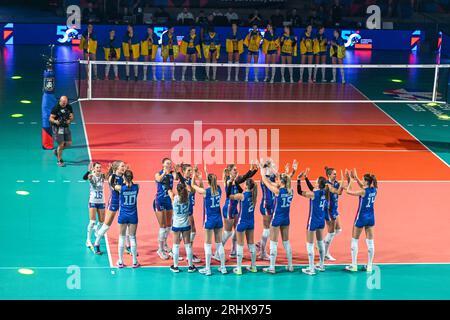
365,216
128,217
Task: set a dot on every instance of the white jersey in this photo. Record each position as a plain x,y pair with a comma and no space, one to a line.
180,217
96,189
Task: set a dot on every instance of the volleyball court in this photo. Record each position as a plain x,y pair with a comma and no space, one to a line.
356,134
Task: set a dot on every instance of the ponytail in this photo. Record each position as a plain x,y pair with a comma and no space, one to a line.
113,167
182,192
286,180
252,187
328,171
128,177
371,180
374,181
212,180
322,184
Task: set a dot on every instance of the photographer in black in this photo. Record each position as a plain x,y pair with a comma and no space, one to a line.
60,118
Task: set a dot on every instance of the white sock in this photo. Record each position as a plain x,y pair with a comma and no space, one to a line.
221,252
334,74
252,249
127,70
120,248
246,73
133,248
309,73
188,248
161,238
310,250
342,75
207,71
301,74
127,238
166,235
229,70
291,73
89,229
282,72
288,249
323,73
328,239
193,72
208,252
273,254
371,251
145,72
240,255
107,70
214,72
315,73
321,252
236,74
101,233
354,248
176,254
264,237
183,71
116,70
154,72
273,74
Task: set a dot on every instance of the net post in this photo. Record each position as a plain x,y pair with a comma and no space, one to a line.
436,74
89,86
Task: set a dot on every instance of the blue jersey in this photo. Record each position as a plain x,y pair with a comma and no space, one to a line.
318,208
191,194
164,186
267,200
212,203
230,206
366,211
333,205
282,208
247,210
128,200
114,197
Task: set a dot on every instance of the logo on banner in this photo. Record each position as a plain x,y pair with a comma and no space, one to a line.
405,94
353,39
8,31
69,33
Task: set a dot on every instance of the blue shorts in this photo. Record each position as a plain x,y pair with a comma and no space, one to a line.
113,207
96,205
332,215
213,223
320,54
308,54
253,53
272,51
245,225
315,224
266,211
162,204
229,213
362,222
280,221
284,54
170,52
183,229
190,51
127,219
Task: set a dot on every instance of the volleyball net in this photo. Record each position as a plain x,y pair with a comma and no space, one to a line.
291,83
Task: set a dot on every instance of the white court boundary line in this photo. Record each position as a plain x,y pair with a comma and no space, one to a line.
90,160
398,123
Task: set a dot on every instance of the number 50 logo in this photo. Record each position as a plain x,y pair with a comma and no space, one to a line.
66,34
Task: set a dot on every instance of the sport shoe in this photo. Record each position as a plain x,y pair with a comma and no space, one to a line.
222,270
136,265
196,259
192,269
351,268
369,269
264,256
290,268
60,163
206,272
216,256
237,271
97,250
320,268
251,269
162,255
120,264
174,269
269,270
308,271
329,258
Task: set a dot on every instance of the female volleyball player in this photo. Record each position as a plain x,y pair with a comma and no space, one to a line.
181,227
128,217
115,180
246,225
365,217
211,50
306,50
280,222
96,199
112,53
332,214
185,177
232,182
318,207
163,206
337,53
288,43
88,43
190,48
270,49
149,47
130,46
253,42
320,43
212,219
169,49
234,47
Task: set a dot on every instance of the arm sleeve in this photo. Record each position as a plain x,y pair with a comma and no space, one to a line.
249,174
181,178
85,177
112,181
308,183
228,189
167,183
299,187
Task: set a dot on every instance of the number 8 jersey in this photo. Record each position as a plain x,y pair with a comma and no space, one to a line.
365,216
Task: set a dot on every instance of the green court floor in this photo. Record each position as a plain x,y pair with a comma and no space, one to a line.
44,231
